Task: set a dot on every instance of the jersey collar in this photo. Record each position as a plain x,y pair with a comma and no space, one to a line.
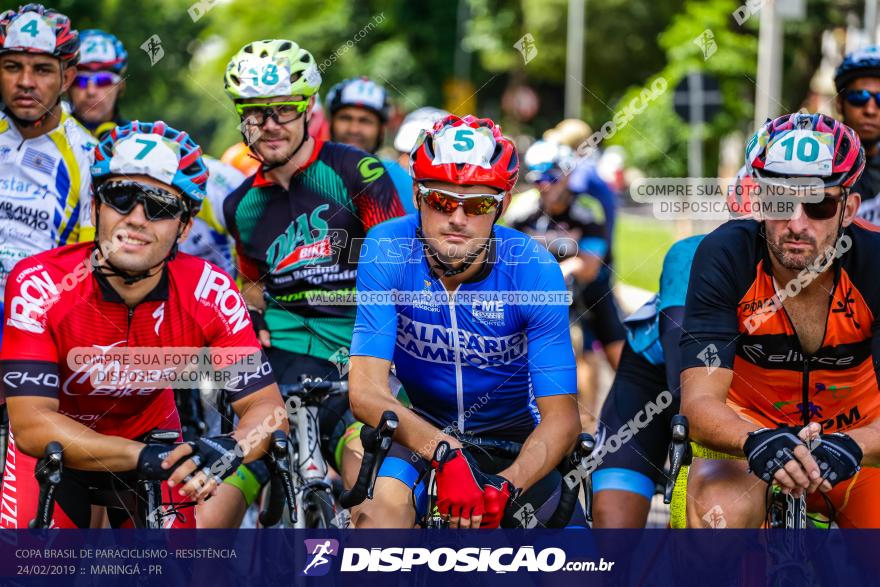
157,294
261,180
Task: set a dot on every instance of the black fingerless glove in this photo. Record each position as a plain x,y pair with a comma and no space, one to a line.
838,457
149,466
768,449
258,320
218,456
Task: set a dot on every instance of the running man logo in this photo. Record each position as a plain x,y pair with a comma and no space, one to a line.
318,550
710,358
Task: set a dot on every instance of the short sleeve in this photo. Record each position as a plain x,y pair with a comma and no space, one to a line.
550,352
29,357
374,194
375,328
711,304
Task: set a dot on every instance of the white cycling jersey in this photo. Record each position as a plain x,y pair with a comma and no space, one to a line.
45,187
209,238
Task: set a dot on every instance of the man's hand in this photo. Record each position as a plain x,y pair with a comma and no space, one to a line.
838,456
459,493
780,455
260,327
498,492
199,466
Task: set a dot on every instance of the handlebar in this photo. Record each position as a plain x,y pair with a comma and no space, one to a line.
281,491
377,443
314,386
679,452
569,495
48,473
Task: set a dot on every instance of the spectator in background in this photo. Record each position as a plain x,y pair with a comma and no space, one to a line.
99,82
410,129
359,110
858,101
602,325
573,227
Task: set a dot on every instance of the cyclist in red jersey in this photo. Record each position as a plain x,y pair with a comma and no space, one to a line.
130,290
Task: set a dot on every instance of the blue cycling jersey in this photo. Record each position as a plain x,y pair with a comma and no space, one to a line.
643,326
477,361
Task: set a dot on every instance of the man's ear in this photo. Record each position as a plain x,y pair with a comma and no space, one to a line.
505,202
838,102
853,201
184,234
68,74
310,108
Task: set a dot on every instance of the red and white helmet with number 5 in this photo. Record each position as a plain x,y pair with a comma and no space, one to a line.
465,151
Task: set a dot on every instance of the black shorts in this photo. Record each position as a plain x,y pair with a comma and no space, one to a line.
602,320
539,501
334,413
636,438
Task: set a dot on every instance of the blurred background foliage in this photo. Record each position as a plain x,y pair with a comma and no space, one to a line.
414,47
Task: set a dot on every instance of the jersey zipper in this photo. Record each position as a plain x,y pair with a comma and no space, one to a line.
128,332
805,380
459,384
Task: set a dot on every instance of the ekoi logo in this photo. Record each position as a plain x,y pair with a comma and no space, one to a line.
318,550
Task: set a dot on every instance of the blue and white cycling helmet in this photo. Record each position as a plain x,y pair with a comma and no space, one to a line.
362,92
547,161
101,51
156,150
862,63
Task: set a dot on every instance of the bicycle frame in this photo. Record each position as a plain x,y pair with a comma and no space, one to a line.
309,467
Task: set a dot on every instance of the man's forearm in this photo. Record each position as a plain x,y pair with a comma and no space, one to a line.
550,442
84,449
256,425
868,439
253,293
414,432
716,426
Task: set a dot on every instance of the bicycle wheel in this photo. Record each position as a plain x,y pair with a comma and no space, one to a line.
319,509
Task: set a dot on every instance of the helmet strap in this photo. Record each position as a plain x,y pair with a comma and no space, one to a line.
108,269
434,255
842,213
305,137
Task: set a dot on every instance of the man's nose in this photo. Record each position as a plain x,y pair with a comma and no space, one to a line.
458,217
138,215
799,222
27,78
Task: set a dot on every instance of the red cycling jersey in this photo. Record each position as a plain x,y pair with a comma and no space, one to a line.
56,307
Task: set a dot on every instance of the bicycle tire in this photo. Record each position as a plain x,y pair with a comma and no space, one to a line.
319,509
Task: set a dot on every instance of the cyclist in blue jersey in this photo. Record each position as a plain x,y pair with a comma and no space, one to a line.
359,110
626,477
473,362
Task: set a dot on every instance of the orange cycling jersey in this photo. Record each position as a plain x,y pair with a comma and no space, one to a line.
735,320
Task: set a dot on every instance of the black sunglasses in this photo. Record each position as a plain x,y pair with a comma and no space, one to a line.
861,97
823,210
158,204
